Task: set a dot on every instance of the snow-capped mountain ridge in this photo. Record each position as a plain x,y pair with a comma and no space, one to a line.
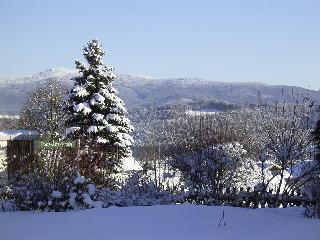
140,90
58,72
63,74
55,72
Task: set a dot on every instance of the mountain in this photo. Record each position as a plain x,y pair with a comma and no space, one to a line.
139,90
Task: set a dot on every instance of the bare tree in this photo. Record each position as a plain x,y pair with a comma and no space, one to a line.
43,110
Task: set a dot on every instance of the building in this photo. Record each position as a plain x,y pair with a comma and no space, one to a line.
16,152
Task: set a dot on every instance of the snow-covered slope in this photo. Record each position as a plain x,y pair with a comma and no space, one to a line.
58,72
139,90
161,222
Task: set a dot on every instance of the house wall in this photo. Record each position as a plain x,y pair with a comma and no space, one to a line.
20,157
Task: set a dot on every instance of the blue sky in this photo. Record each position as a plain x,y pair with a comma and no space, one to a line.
274,41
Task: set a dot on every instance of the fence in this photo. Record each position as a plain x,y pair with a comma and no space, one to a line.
254,199
236,198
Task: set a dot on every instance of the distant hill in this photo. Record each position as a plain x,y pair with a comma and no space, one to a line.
138,91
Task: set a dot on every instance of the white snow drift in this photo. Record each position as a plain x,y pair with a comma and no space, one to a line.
161,222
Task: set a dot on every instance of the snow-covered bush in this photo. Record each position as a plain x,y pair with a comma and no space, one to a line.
31,192
7,201
312,211
78,194
83,194
207,172
139,190
34,193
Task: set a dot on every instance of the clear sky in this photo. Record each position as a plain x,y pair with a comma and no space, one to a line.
271,41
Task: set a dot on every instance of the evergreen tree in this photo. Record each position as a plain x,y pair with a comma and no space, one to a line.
316,135
97,115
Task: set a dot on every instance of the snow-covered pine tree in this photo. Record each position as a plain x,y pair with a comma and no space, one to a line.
97,115
316,135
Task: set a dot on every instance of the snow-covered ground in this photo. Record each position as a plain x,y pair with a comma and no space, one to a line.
203,112
161,222
9,116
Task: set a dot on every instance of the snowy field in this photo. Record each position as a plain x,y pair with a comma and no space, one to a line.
161,222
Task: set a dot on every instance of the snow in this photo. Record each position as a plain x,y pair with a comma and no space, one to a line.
18,135
161,222
266,164
97,99
125,139
72,200
111,128
90,77
202,112
71,130
84,107
79,180
56,194
114,117
101,140
9,116
80,91
98,116
109,74
302,167
91,189
92,129
89,202
130,164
